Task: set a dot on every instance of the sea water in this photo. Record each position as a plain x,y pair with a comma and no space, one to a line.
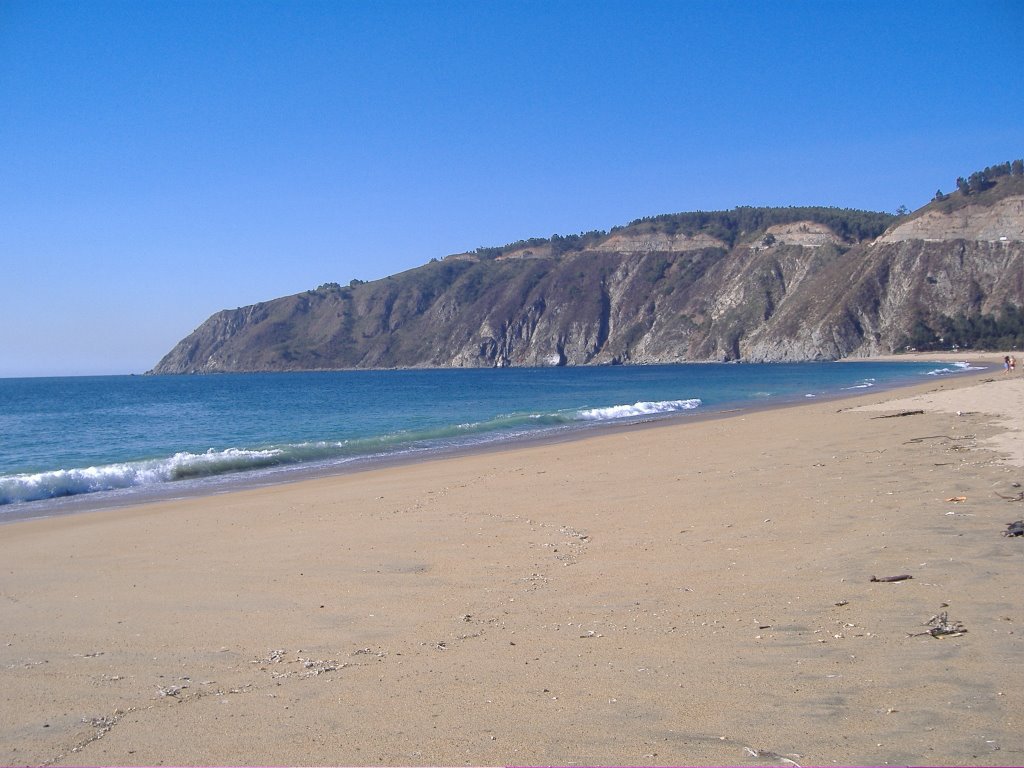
114,440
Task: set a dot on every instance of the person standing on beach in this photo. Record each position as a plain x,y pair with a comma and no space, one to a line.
1006,364
1013,363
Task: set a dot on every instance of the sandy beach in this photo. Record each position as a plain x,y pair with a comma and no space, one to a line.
686,594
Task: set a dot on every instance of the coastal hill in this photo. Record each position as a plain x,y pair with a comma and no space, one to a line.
752,284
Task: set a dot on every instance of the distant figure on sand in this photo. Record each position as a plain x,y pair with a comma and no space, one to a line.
1006,364
1013,363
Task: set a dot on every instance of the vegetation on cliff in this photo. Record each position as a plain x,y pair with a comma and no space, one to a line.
1002,330
970,190
732,227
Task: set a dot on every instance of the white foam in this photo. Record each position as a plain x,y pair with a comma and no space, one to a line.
864,384
638,409
957,368
110,477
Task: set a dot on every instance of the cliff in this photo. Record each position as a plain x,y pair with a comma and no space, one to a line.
749,284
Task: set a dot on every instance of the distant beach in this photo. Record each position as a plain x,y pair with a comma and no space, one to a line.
818,584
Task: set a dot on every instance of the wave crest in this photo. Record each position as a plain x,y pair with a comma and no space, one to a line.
956,368
638,409
111,477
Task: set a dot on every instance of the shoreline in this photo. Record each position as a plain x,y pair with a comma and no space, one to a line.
991,358
692,593
296,473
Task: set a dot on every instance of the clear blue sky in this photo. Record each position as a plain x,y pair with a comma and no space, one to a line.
165,160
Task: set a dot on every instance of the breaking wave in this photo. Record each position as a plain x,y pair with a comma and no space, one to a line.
863,384
111,477
638,409
956,368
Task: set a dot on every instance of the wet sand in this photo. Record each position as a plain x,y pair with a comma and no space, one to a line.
693,593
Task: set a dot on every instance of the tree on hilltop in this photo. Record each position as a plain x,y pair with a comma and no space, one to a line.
979,181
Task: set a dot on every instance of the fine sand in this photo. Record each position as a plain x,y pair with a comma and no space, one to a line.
696,593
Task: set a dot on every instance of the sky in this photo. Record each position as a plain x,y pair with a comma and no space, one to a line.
161,161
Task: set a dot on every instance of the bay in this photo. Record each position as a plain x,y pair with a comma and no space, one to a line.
119,439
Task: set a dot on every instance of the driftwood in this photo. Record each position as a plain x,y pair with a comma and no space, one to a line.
897,415
901,577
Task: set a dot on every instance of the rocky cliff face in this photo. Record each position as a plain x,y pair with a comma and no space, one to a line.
795,290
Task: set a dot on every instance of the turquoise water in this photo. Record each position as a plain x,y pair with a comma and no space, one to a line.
116,439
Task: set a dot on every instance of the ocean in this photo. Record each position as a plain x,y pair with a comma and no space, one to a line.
94,442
